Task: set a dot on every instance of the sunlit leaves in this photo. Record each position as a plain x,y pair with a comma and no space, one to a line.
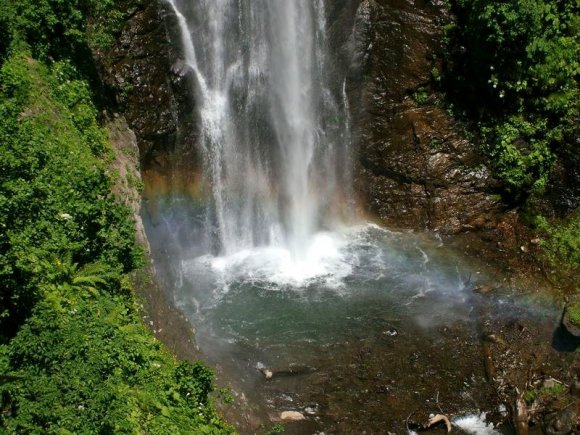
50,141
514,66
75,356
90,366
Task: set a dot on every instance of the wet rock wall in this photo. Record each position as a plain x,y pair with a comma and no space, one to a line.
414,168
152,93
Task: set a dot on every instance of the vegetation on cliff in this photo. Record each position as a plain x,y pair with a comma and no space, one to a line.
574,313
512,69
74,354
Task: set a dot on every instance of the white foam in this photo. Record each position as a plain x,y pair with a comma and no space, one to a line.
324,261
475,424
363,252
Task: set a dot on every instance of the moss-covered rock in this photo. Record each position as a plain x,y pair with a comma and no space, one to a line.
571,318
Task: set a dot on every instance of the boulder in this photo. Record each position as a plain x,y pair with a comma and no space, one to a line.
292,416
571,316
564,422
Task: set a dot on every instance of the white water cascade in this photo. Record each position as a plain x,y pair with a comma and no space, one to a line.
273,114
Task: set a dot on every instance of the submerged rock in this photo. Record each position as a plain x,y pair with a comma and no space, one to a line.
292,370
267,373
483,289
564,422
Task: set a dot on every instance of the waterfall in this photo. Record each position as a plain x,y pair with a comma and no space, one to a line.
275,137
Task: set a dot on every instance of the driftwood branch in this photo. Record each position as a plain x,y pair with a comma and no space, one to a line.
438,418
521,415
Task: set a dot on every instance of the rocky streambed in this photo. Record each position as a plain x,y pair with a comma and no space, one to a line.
508,368
457,338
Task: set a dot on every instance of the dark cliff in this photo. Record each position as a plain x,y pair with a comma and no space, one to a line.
152,93
418,171
415,167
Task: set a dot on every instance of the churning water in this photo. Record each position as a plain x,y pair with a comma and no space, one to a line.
347,281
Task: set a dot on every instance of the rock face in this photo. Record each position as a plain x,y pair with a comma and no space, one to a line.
126,164
150,91
416,169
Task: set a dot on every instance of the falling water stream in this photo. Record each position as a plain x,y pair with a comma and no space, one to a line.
286,275
274,120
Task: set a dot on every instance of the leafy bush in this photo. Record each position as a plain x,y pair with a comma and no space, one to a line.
421,96
101,373
544,392
562,244
574,313
520,153
55,196
513,67
74,354
64,29
276,429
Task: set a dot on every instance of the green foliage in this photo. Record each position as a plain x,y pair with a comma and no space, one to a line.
102,373
421,96
513,66
75,356
75,94
276,429
436,144
574,313
562,244
135,182
68,276
60,29
519,53
532,395
520,152
65,30
55,197
225,396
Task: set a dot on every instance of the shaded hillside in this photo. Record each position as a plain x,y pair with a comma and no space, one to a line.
74,353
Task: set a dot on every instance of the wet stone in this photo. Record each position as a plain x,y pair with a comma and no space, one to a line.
292,416
564,422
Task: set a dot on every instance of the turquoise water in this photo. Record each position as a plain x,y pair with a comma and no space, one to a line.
365,278
397,307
